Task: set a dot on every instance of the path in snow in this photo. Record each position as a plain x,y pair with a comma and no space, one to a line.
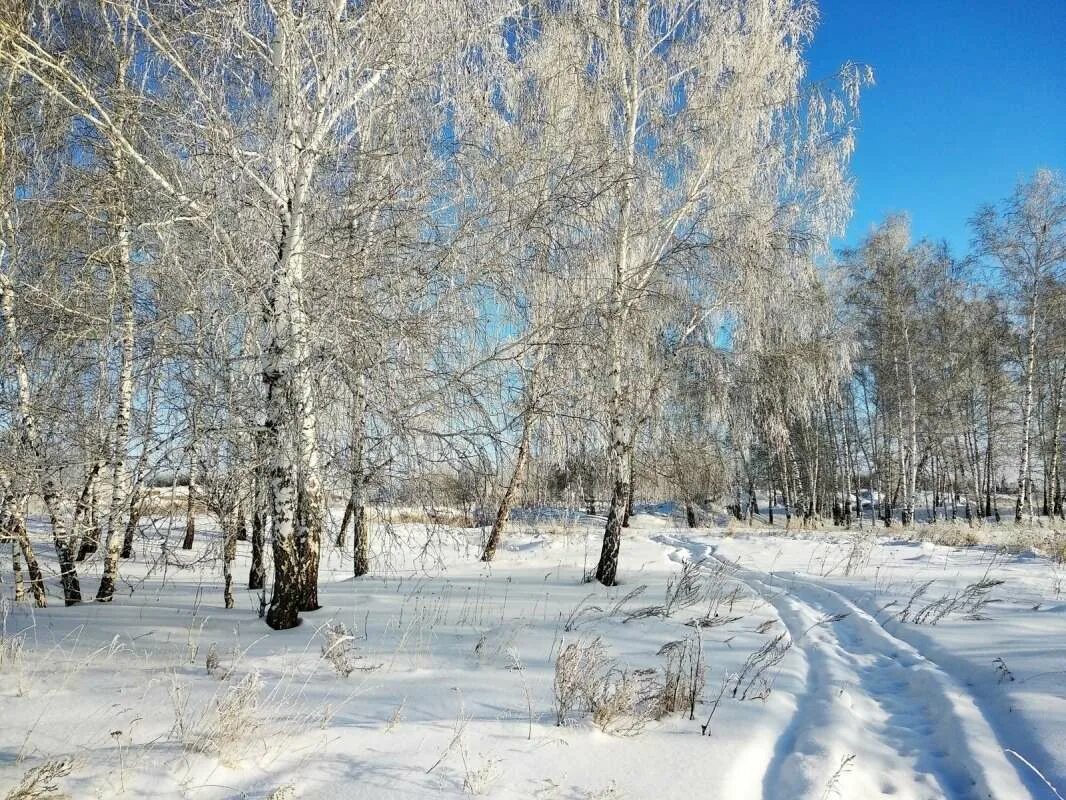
912,731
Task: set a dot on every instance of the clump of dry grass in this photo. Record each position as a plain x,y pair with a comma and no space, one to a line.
225,731
684,676
42,782
1053,545
754,681
339,648
620,701
950,535
574,667
684,590
12,659
448,517
970,602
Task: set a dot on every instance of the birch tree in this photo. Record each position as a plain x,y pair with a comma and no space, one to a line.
696,109
1026,237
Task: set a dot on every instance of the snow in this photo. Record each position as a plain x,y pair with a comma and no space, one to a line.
451,691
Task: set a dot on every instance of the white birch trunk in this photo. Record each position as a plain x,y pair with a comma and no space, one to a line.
607,567
115,546
1024,496
32,435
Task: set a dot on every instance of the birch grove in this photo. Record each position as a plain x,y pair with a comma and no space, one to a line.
275,270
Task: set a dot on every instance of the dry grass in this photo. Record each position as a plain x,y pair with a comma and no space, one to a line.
949,534
339,648
440,515
226,731
42,782
619,700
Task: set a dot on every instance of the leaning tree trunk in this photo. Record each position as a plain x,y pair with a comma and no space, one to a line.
346,520
512,489
31,434
15,520
132,520
85,514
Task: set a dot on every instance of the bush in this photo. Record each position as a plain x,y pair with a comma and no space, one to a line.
621,701
339,648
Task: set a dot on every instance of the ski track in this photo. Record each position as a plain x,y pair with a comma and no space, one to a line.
914,732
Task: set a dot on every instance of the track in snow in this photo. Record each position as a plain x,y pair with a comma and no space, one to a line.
914,732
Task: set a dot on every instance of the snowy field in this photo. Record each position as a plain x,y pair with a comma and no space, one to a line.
829,664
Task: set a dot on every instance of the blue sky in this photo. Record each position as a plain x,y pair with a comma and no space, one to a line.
970,98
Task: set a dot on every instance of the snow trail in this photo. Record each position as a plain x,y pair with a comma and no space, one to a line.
874,717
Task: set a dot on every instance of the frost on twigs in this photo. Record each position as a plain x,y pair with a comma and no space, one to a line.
684,590
754,681
684,676
969,602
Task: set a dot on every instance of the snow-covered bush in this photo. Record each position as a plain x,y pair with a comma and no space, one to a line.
235,720
339,648
620,700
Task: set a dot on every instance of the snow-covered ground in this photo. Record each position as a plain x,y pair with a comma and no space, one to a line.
871,688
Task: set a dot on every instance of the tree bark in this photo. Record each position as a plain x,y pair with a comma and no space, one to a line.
283,408
512,489
133,519
16,568
190,514
14,519
607,567
632,489
85,514
1052,481
229,553
115,544
260,511
32,436
1024,496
